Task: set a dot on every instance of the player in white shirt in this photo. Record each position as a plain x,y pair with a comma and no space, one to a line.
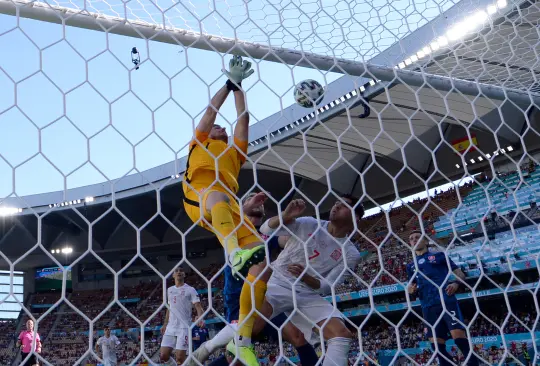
108,344
312,261
177,327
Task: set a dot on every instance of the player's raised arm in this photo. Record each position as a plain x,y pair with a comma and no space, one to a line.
209,117
239,70
294,210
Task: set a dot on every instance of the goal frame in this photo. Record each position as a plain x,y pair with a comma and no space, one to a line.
182,37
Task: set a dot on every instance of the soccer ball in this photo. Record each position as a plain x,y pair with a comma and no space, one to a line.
308,93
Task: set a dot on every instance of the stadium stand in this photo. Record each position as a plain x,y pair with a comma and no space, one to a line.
65,332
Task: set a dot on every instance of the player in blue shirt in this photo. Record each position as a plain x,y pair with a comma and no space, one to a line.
432,273
200,335
253,207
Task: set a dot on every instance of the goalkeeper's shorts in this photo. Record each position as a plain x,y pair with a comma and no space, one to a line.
195,201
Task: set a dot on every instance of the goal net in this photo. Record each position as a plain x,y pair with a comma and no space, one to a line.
429,121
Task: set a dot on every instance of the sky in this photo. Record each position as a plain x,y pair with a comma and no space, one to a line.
73,112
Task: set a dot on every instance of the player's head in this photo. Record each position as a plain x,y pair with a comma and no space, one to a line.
417,241
218,133
179,274
29,324
255,213
107,331
342,211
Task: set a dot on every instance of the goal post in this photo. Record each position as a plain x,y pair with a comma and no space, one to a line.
187,38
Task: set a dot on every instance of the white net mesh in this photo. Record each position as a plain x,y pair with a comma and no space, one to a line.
429,119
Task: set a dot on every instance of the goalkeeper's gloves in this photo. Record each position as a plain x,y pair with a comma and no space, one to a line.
238,71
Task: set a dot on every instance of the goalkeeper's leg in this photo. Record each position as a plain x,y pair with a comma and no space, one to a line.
255,282
224,216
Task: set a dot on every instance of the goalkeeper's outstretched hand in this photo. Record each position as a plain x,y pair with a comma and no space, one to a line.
238,70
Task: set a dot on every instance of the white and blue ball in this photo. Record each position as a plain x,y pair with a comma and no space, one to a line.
308,93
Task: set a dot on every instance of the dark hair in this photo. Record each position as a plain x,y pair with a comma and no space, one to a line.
359,208
416,232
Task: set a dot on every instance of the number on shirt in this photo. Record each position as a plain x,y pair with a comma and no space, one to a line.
315,254
174,299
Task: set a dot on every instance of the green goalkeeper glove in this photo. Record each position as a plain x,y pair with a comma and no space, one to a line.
238,71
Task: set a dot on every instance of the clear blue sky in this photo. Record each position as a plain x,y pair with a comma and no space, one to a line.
82,84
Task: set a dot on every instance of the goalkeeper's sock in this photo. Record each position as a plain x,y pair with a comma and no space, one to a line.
463,345
337,352
246,321
307,355
222,223
221,339
442,354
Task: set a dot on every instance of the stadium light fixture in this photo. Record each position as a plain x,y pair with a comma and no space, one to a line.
88,199
488,156
501,4
472,161
480,158
442,41
503,151
7,211
492,9
67,250
510,148
457,166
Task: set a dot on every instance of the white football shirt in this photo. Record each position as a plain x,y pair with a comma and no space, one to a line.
181,300
314,248
108,346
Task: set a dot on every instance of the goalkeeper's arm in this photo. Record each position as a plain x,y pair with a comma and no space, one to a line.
241,131
209,117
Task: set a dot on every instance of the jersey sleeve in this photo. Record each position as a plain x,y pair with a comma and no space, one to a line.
194,296
300,224
99,341
116,340
242,147
21,337
199,137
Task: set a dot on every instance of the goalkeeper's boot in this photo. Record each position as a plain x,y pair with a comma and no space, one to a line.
246,355
243,259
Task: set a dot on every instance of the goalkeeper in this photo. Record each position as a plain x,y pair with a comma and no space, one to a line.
210,183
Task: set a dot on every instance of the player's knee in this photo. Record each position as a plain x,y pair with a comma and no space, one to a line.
164,355
214,198
336,329
295,337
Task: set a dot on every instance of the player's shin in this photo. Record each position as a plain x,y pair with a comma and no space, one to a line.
337,352
307,355
246,320
442,354
463,345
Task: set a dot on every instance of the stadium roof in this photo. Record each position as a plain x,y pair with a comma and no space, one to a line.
405,140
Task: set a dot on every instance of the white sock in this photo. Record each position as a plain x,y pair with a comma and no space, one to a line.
223,338
337,352
171,362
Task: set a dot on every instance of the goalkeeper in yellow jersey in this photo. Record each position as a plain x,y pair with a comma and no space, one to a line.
210,184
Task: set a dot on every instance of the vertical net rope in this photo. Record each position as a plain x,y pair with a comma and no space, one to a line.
430,121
